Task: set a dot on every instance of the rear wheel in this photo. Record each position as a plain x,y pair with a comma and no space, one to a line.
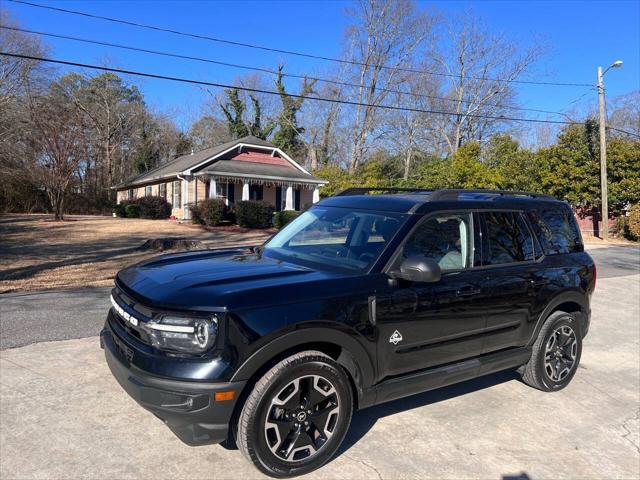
556,353
297,415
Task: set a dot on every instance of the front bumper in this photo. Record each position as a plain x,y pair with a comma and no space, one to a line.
188,408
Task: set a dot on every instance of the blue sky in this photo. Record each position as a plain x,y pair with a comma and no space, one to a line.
581,35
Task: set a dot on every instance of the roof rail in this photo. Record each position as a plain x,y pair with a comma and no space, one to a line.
365,190
452,194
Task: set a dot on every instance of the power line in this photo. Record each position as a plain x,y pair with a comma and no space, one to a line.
271,92
265,70
623,131
287,52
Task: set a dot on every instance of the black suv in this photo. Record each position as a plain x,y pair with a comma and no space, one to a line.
362,299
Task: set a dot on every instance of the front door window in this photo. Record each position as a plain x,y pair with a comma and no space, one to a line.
447,239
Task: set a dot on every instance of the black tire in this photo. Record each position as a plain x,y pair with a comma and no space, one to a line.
302,378
547,368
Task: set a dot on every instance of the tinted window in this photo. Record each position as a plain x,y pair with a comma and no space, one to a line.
448,239
559,232
509,239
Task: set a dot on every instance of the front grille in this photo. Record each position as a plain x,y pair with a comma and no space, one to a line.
126,326
135,310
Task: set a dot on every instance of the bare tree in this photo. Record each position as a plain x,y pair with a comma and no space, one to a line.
58,131
383,38
15,73
113,111
208,131
625,114
479,68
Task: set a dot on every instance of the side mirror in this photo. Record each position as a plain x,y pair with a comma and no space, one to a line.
420,269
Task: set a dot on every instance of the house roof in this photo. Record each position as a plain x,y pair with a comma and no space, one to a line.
185,162
244,169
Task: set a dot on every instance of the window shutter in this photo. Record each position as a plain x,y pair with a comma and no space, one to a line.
278,199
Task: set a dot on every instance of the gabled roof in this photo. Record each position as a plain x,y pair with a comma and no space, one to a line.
181,164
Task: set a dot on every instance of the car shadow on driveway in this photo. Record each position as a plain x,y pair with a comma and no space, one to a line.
365,419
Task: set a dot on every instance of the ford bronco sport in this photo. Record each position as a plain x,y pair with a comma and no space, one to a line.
363,299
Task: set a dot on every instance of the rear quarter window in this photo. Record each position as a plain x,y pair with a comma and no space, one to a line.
558,230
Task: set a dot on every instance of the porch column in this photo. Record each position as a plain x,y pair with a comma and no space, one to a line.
289,199
213,187
316,195
185,199
245,191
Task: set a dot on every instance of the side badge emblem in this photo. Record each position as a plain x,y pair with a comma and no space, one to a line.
395,338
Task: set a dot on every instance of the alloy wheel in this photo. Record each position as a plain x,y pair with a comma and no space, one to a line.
301,418
560,353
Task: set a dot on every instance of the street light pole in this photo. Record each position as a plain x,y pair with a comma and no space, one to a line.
604,195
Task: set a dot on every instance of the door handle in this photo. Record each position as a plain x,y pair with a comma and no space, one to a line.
538,283
467,292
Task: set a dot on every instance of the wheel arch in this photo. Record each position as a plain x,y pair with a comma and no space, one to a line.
570,302
339,345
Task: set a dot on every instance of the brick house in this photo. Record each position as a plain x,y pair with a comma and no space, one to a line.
244,169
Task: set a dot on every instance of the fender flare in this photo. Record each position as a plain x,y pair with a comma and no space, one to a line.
563,297
354,357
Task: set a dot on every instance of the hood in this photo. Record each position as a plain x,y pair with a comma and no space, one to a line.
213,279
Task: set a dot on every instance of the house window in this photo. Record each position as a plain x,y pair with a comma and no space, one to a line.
147,191
222,190
130,194
162,190
177,194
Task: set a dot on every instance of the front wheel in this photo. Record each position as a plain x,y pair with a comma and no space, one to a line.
297,415
556,353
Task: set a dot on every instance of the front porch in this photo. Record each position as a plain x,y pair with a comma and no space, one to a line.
283,195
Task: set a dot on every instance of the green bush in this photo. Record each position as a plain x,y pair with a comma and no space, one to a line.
280,219
633,222
211,212
196,214
254,214
153,207
120,208
132,210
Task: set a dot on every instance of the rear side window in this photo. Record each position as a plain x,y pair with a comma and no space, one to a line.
559,232
508,238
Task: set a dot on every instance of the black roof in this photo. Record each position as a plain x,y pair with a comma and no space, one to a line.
420,201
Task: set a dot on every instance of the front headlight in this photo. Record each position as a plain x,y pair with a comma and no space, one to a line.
182,334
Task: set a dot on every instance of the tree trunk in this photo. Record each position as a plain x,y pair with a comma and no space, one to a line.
313,157
407,162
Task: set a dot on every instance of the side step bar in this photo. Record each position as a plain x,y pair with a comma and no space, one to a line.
458,372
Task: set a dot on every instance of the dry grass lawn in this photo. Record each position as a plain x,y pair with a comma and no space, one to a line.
37,253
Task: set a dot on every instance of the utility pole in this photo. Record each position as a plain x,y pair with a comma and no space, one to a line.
604,194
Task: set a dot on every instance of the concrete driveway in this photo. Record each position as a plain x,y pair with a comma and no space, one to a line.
62,415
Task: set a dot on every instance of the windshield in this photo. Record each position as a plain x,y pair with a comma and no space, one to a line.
335,237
